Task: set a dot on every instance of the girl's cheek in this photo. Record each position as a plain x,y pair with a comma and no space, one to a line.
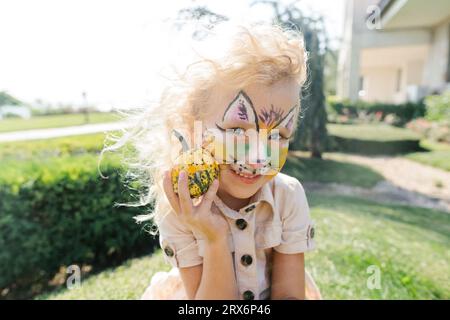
227,150
278,156
219,151
283,155
241,149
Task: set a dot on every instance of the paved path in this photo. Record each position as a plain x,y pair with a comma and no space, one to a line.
406,174
384,192
36,134
406,182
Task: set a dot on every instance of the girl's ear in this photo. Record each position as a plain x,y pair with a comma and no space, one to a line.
241,108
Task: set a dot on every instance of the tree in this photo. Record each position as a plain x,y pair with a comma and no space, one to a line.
7,99
330,71
312,133
207,19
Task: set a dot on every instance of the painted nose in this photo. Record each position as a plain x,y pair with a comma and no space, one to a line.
257,165
257,154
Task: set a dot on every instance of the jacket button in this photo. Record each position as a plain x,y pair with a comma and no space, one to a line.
168,251
248,209
311,233
246,259
248,295
241,224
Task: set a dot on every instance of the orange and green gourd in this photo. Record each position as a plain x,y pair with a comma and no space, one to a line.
201,168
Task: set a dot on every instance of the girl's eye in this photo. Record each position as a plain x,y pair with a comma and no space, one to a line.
275,136
238,131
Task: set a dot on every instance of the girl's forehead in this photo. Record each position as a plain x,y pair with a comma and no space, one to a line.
280,98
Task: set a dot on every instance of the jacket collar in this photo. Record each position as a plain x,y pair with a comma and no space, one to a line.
264,194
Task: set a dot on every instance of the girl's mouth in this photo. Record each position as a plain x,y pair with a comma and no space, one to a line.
246,178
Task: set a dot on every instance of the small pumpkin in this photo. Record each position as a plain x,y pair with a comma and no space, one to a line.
201,168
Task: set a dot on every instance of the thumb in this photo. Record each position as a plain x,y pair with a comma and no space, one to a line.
210,194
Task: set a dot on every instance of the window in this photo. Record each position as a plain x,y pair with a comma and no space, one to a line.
448,55
399,80
361,85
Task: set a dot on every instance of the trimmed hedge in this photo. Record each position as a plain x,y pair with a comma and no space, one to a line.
373,147
438,107
56,212
372,139
403,113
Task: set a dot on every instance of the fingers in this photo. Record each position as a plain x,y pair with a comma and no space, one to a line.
210,194
170,194
183,194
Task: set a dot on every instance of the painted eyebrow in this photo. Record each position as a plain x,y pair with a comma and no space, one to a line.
237,123
287,114
283,131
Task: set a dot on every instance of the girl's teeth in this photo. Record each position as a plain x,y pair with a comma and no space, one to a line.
246,176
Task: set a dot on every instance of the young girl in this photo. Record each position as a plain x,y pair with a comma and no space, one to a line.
245,237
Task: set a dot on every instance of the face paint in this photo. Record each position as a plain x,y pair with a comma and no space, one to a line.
262,147
270,118
240,109
288,121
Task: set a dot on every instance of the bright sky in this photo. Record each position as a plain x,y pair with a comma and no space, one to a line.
112,49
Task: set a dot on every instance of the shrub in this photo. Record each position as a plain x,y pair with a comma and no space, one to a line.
433,130
438,107
372,139
397,114
58,212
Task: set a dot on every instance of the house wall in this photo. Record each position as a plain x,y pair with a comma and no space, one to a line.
420,73
393,74
380,84
435,75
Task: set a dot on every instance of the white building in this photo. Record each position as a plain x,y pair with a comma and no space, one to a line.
18,111
394,50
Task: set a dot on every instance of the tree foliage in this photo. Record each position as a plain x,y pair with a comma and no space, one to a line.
312,134
7,99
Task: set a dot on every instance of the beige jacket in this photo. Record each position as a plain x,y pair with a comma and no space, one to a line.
277,218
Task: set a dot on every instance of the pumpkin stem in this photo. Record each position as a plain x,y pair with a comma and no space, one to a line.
182,140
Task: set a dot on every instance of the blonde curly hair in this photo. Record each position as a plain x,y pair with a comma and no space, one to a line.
232,56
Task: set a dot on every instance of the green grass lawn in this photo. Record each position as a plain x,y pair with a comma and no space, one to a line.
55,147
372,139
384,139
409,246
55,121
373,132
125,282
327,171
438,155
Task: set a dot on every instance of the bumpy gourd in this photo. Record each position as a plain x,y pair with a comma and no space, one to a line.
201,167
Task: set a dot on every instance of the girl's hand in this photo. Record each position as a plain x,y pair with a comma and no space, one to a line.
202,217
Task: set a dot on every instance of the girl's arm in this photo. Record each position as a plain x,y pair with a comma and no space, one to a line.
215,278
288,276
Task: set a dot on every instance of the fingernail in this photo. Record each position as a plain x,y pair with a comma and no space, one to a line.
182,174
